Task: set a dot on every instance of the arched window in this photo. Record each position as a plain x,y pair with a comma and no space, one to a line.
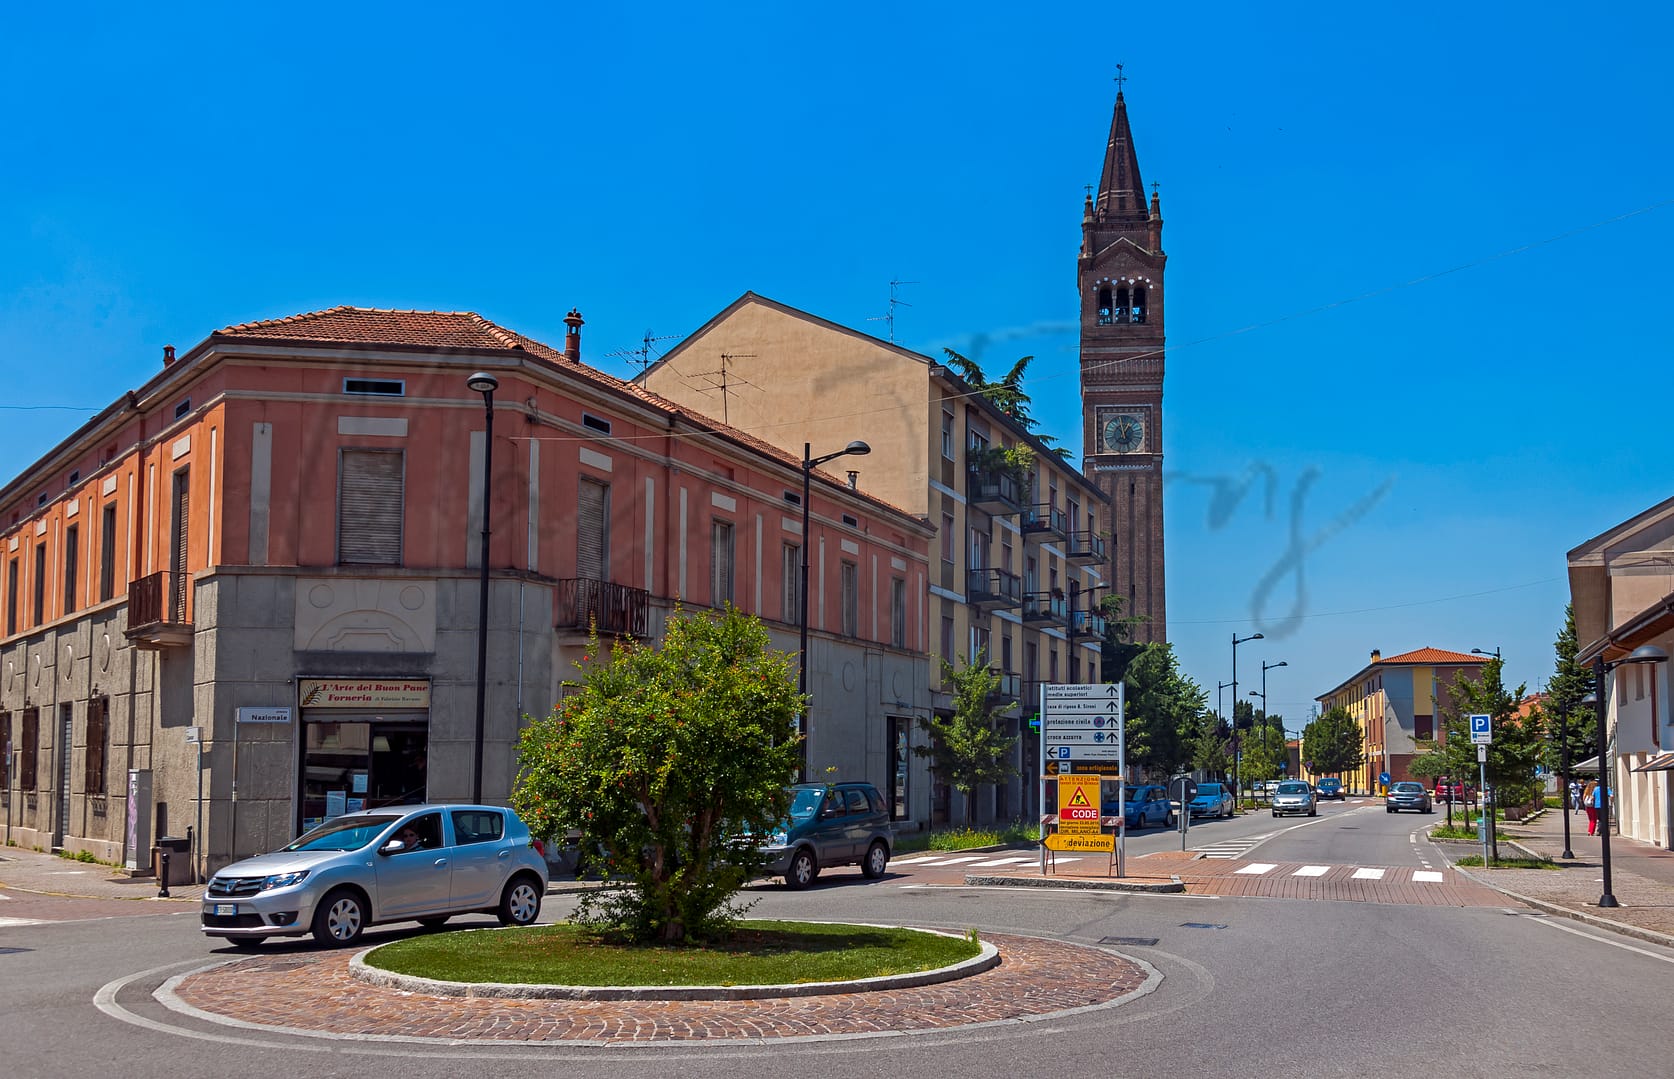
1105,316
1121,305
1138,314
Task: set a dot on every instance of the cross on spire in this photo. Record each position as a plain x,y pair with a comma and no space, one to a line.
1154,186
1089,192
1120,78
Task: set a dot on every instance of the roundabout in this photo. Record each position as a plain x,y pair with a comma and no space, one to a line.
318,994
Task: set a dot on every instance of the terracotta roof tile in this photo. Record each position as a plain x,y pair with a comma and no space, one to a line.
1433,655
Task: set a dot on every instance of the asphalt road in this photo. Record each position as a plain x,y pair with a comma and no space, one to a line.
1250,987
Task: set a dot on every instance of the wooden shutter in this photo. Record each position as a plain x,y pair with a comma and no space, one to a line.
107,554
369,507
182,525
591,539
720,563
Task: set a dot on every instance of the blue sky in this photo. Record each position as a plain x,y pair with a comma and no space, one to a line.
1417,286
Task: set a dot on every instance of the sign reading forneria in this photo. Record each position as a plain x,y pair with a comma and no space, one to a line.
361,693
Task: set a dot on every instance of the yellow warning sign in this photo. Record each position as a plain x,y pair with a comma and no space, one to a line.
1078,805
1087,843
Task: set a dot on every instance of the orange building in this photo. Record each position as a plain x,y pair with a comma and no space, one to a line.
244,596
1396,700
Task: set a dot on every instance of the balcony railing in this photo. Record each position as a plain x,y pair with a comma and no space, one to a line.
617,610
157,611
1046,607
1045,521
994,588
1087,624
995,490
1085,546
1009,689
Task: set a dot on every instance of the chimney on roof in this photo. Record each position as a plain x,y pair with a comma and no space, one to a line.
168,355
572,337
1377,654
854,480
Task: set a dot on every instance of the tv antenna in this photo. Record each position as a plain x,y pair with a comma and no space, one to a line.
894,302
718,379
641,357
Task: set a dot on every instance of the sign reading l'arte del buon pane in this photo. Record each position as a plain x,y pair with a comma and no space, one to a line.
363,692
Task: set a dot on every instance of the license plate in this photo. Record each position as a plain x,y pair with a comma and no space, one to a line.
227,909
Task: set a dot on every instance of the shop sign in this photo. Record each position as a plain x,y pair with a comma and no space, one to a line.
363,693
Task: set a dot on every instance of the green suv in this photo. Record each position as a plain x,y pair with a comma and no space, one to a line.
830,824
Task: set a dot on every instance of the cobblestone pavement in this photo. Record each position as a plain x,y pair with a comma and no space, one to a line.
315,994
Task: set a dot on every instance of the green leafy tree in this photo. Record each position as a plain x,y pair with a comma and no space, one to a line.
1118,649
967,748
1006,395
1566,719
673,759
1163,711
1210,751
1333,743
1263,748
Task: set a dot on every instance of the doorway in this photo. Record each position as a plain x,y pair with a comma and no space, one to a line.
353,764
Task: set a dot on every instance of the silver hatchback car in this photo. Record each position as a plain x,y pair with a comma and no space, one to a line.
1294,796
407,863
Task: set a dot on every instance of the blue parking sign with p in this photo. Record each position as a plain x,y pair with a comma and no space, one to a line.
1482,730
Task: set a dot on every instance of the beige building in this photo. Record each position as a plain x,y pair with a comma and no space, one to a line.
1622,586
1019,555
1396,701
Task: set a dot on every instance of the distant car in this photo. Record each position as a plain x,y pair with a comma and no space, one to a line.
408,863
1294,796
1329,788
830,824
1448,790
1142,804
1406,795
1212,800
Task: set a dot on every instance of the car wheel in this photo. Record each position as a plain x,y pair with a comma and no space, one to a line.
520,903
247,943
340,918
877,860
802,871
1275,813
1168,819
434,923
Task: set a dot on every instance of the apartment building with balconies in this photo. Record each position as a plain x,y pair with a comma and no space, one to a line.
1017,570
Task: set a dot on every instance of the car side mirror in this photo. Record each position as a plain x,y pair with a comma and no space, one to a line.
394,846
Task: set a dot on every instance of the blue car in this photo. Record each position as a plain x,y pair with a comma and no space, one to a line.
1143,804
1212,800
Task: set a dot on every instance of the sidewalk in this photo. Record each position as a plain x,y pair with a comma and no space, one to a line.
1641,877
47,874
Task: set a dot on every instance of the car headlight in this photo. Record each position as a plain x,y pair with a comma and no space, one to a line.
779,839
284,880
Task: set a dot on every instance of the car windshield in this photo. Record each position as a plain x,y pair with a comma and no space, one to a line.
805,802
1133,794
344,833
1408,788
1208,790
1330,783
1294,787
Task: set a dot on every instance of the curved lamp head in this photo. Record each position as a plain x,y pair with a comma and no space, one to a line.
1281,663
1645,653
483,382
858,448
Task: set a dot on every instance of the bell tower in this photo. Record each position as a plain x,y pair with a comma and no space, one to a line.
1120,274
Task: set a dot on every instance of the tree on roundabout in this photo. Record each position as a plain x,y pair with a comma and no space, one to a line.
674,759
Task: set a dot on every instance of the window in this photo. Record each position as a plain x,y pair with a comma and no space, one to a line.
5,750
182,408
1138,312
947,435
40,584
11,597
947,538
98,722
1423,726
851,599
72,552
947,637
979,443
477,825
29,749
720,563
375,387
979,645
370,485
592,530
1105,318
790,605
979,548
851,520
898,612
107,554
594,423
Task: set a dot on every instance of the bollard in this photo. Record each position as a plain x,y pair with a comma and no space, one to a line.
163,876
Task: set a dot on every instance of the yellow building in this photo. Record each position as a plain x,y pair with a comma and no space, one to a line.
1021,548
1395,702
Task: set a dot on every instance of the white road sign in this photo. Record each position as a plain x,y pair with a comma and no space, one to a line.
1061,691
1108,752
1081,738
1081,723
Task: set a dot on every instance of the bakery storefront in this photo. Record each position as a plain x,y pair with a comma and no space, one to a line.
366,743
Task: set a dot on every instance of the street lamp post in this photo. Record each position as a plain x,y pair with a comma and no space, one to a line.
484,383
1237,791
856,448
1265,667
1648,653
1563,776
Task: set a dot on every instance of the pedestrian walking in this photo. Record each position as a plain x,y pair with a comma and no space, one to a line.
1589,802
1575,796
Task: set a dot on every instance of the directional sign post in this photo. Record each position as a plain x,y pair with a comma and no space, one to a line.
1081,739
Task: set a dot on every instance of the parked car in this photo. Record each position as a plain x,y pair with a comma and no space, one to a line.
1142,804
1330,787
830,824
422,863
1212,800
1406,795
1294,796
1449,790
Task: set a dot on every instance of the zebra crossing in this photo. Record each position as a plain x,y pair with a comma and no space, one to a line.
976,861
1232,848
1416,876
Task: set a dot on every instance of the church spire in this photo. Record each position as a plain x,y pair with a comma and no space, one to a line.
1121,191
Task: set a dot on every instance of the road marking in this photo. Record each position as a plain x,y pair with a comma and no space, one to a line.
1259,868
1603,940
1312,871
953,861
8,923
1426,876
1368,874
1006,861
